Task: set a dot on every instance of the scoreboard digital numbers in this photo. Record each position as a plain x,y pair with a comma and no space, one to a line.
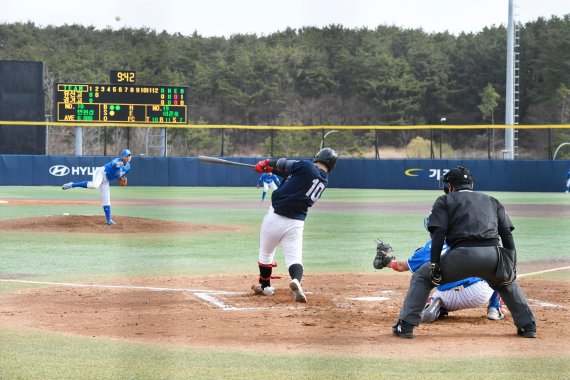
121,103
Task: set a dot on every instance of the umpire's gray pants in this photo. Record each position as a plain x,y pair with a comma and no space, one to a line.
460,263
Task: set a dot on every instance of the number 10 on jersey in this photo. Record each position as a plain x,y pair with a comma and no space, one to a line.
316,190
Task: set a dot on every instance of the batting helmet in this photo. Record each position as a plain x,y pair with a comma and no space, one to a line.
458,176
125,152
327,156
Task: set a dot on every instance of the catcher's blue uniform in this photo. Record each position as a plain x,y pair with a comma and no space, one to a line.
476,295
422,256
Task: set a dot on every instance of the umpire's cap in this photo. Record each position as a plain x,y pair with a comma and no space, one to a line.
458,176
126,152
328,157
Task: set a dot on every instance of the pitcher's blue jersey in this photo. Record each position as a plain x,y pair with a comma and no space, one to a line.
422,256
300,190
268,178
113,171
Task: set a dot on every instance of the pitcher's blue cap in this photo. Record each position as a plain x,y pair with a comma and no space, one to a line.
125,152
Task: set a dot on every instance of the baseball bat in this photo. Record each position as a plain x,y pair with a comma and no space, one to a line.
214,160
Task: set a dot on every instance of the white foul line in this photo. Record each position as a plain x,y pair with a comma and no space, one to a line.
133,287
205,295
211,299
540,303
543,271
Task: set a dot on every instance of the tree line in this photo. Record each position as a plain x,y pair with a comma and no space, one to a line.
322,76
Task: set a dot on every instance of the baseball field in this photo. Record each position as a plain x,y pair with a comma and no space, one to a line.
166,293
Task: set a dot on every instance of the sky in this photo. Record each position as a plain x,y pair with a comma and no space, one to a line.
223,18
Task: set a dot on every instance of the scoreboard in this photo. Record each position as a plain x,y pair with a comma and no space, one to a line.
121,103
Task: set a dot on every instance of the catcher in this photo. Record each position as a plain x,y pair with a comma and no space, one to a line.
472,292
115,169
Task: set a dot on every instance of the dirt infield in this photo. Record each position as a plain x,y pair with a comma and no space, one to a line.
345,314
96,224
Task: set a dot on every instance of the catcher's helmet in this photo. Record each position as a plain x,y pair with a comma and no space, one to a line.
458,176
327,156
125,152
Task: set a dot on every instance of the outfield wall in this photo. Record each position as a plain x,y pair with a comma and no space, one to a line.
493,175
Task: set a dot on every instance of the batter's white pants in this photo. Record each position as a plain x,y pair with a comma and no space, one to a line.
99,181
277,229
460,298
266,186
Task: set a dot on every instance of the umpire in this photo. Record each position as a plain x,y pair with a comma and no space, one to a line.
471,223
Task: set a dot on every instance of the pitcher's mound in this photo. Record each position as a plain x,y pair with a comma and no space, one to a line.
96,224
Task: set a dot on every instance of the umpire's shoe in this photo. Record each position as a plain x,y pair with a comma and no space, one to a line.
403,329
527,331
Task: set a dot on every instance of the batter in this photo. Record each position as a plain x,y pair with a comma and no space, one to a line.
304,184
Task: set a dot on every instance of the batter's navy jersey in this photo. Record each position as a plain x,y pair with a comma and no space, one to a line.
300,190
422,256
113,171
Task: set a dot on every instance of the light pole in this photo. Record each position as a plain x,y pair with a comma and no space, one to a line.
325,136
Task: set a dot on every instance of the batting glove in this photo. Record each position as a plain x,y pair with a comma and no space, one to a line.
263,166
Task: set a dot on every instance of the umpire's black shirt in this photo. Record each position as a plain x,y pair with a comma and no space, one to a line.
470,219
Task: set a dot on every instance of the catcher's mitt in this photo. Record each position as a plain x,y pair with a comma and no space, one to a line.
123,181
384,255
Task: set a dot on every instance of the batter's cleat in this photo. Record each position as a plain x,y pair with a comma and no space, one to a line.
67,186
403,329
528,331
267,291
298,294
433,310
495,314
111,222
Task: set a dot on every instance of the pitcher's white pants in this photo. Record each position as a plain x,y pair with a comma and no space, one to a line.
277,229
99,181
459,298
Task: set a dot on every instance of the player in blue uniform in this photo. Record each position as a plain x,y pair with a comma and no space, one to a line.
304,183
268,180
568,182
115,169
468,293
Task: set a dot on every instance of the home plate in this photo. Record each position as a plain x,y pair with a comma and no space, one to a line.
371,299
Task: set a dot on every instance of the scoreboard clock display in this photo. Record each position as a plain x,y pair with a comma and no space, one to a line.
121,103
123,76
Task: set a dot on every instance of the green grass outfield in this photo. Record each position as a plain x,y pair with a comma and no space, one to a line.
335,241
